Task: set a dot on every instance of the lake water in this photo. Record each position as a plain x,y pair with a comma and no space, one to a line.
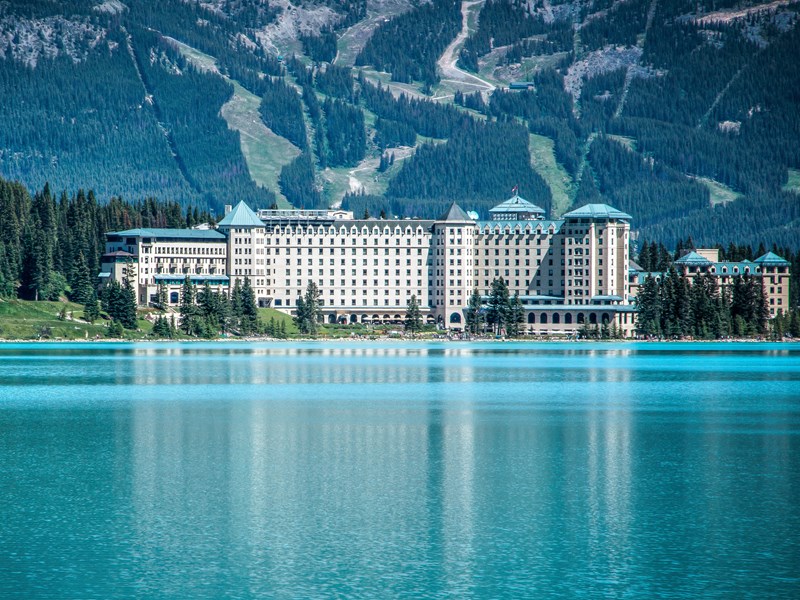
369,470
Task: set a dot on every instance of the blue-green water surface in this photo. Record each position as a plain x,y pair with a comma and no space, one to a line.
392,470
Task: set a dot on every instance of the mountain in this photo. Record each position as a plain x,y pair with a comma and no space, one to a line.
682,113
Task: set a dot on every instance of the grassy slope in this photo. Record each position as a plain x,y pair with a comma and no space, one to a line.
720,193
793,185
543,161
24,320
264,151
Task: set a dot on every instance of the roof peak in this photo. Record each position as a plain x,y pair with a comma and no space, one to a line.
455,213
241,216
771,258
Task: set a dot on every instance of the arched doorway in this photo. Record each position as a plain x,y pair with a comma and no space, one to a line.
568,319
455,318
581,319
556,318
593,318
543,319
531,318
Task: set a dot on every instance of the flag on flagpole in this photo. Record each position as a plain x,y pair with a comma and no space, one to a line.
514,190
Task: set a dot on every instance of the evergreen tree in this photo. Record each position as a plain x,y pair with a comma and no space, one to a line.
116,330
648,302
473,315
81,280
190,321
497,307
249,323
308,312
161,295
91,310
126,303
162,328
413,321
516,316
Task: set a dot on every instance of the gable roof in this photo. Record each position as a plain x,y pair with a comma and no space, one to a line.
241,216
455,213
597,211
770,258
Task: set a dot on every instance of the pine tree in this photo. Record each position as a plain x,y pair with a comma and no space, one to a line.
413,321
308,312
91,311
473,315
190,323
81,280
249,323
126,311
497,307
648,302
161,295
516,316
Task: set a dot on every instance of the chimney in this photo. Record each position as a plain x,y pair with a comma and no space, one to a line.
228,208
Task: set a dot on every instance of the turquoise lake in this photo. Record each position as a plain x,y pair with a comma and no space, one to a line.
399,470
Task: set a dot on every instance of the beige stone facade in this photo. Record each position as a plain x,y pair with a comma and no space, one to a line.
570,273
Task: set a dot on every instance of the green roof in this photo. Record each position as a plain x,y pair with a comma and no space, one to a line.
517,204
597,211
241,216
692,258
455,213
770,258
187,234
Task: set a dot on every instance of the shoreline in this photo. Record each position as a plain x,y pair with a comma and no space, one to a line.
361,339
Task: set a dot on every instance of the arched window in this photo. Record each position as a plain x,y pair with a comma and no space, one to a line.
174,297
531,318
455,317
593,318
543,318
581,319
606,319
568,319
556,318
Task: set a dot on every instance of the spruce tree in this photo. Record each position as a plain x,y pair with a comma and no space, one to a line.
190,322
91,311
413,321
473,315
249,318
515,316
308,312
126,313
497,307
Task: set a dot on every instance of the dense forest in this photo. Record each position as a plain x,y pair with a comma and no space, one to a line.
408,45
51,245
689,123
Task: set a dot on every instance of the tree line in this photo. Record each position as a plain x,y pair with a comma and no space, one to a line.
50,247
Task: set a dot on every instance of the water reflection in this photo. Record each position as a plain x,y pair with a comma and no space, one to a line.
414,471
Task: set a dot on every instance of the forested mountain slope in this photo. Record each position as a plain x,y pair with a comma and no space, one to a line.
684,113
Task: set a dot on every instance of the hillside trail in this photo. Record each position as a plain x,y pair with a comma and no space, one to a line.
651,13
447,61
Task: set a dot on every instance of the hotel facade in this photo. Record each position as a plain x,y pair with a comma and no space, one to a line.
569,273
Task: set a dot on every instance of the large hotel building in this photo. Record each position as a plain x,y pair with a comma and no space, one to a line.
569,273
